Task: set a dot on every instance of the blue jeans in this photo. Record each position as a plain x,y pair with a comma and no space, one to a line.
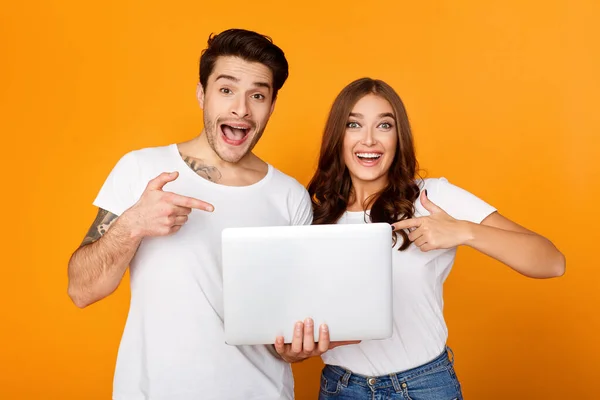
435,380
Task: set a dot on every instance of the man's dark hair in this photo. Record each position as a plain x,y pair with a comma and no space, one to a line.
249,46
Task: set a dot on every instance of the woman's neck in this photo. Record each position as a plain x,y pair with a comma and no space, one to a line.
363,190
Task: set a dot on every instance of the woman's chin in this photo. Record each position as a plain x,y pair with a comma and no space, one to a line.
368,176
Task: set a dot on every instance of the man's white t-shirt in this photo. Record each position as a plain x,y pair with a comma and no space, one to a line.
420,331
173,345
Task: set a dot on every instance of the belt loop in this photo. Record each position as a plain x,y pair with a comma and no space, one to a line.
346,377
395,383
451,353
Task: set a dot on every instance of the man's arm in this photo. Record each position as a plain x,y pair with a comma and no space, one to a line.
98,265
103,221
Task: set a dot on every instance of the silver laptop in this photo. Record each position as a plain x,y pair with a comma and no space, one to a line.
340,275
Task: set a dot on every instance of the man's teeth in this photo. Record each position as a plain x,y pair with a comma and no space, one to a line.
368,155
238,127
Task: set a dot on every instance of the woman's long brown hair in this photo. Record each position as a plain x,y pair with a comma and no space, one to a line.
331,187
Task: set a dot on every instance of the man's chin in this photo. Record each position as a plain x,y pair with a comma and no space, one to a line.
231,153
232,156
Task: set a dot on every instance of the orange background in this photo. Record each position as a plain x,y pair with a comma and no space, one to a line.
502,96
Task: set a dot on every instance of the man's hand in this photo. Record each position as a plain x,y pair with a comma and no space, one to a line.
160,213
303,344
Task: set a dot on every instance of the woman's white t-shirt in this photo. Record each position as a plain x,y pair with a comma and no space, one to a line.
420,330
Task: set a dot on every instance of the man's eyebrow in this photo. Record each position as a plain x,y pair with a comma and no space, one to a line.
234,79
229,77
263,84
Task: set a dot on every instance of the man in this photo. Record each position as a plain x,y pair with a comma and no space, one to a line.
161,213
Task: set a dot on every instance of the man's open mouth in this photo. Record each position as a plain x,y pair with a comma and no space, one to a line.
235,134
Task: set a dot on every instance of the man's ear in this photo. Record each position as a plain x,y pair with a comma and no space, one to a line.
200,95
272,107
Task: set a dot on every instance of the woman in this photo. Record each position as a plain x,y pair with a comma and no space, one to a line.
368,173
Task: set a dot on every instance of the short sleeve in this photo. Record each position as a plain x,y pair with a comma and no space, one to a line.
302,213
457,202
117,193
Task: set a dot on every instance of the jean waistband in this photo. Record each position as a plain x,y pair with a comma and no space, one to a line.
393,379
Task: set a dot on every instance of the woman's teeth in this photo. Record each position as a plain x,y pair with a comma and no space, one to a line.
369,156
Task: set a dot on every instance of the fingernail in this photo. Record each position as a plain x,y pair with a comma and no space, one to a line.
210,208
325,328
308,321
298,327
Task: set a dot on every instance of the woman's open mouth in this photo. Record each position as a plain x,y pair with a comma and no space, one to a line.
368,159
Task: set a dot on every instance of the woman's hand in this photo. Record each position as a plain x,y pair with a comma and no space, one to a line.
435,231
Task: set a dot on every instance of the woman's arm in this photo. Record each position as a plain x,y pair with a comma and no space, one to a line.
524,251
521,249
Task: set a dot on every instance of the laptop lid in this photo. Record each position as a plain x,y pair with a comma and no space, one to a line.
274,276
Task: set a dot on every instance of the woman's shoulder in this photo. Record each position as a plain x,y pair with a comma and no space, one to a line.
431,184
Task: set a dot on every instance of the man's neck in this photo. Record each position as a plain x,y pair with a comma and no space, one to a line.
201,158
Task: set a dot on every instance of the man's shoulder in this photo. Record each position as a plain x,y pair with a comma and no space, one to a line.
297,197
143,158
281,179
150,152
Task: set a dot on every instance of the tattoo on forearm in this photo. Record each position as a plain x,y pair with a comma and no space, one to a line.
205,171
103,221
